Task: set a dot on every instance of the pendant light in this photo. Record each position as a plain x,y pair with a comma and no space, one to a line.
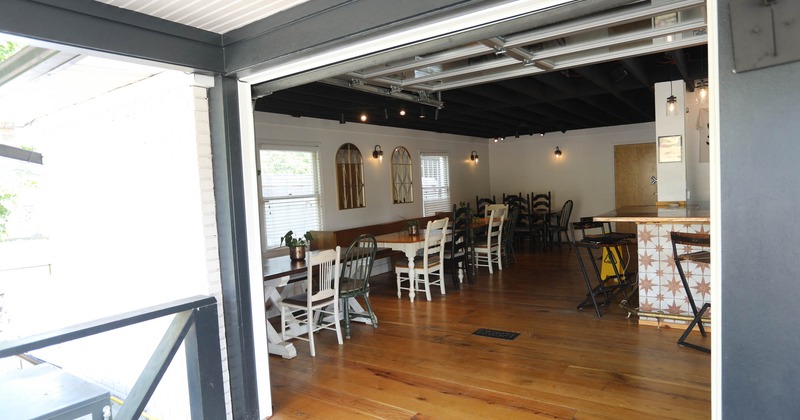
672,103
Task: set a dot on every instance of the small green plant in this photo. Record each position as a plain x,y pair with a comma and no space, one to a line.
292,242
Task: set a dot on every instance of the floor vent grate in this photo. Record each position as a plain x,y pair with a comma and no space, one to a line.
505,335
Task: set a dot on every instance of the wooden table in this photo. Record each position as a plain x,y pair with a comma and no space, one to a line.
280,272
408,244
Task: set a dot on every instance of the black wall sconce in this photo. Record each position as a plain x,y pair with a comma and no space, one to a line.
378,153
474,157
557,152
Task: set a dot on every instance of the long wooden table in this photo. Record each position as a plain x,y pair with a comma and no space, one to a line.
280,272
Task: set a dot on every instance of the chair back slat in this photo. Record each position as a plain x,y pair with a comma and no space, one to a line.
323,274
357,265
435,234
481,203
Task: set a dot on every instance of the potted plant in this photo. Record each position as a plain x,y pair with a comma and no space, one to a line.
413,227
297,246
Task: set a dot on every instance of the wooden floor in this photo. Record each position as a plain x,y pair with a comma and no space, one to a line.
423,361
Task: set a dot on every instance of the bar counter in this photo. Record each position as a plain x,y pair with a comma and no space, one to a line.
657,214
661,293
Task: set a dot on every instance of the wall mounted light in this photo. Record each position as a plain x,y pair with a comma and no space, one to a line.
557,152
474,157
672,103
378,153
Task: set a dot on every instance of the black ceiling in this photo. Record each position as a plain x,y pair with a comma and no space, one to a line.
606,94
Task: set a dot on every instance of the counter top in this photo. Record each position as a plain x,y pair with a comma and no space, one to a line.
656,214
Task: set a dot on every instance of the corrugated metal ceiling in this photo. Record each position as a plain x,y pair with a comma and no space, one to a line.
219,16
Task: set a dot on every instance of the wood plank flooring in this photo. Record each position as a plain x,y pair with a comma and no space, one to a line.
423,362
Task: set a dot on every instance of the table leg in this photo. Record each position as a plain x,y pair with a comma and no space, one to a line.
412,276
356,307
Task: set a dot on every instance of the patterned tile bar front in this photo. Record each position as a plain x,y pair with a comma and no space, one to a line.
660,287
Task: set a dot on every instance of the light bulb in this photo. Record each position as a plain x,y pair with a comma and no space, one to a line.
702,95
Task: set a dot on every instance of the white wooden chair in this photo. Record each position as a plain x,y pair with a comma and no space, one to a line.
428,264
318,307
488,250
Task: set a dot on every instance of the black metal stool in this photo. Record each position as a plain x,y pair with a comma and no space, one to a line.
596,238
701,240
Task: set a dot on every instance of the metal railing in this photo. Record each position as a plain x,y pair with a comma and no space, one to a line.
195,324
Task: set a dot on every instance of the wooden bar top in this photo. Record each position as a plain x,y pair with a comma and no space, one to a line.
656,214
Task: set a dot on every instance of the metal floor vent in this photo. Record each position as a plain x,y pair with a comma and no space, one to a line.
505,335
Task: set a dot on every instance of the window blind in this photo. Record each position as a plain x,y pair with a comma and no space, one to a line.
290,198
435,183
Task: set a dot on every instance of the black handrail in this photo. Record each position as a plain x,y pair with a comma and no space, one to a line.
195,324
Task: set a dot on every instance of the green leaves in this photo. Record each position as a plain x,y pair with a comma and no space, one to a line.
291,241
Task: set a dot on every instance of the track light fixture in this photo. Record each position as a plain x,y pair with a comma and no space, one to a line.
474,157
557,152
363,117
378,153
341,118
402,112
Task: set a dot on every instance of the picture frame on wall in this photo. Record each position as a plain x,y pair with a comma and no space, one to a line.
670,149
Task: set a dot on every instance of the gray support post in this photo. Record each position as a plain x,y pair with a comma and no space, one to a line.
226,147
204,366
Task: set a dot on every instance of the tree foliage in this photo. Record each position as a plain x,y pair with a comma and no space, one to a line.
7,49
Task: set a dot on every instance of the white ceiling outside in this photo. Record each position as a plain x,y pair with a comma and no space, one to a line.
81,78
219,16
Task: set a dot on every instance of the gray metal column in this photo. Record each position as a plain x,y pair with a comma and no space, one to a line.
226,147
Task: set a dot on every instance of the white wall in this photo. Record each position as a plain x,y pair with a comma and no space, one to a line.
583,174
698,171
132,224
672,178
466,178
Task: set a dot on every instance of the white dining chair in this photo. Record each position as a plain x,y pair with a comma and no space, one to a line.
488,250
318,307
430,263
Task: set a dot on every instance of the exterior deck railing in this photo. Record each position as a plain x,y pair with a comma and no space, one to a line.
195,324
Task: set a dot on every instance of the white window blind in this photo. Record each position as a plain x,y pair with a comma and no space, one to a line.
435,183
290,198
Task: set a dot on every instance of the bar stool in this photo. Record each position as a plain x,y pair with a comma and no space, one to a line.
692,240
596,238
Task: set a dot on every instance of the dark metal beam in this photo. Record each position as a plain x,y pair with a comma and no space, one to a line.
99,27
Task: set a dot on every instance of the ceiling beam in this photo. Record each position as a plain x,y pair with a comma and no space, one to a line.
343,56
107,29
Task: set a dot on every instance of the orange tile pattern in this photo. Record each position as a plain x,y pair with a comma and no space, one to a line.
660,287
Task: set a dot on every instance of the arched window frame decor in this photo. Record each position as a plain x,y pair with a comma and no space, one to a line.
350,177
402,176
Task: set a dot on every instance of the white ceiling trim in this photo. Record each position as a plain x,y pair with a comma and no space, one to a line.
218,16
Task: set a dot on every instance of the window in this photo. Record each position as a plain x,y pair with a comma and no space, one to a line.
435,183
290,198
